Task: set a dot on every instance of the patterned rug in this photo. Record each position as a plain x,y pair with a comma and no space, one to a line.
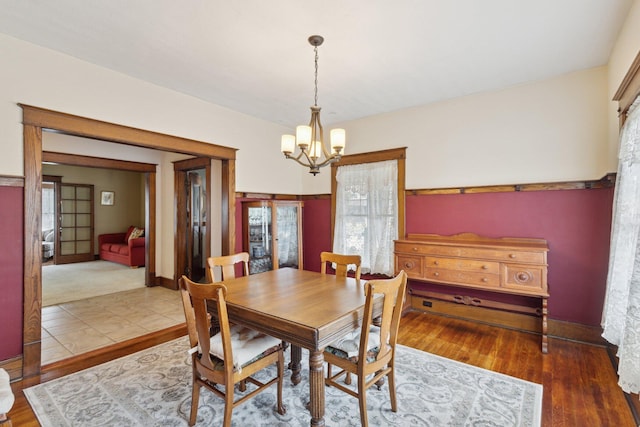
153,388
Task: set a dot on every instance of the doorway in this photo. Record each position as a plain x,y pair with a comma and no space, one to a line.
34,121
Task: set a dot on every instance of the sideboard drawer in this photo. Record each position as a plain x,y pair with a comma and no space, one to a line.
479,266
524,278
502,255
411,265
497,254
460,277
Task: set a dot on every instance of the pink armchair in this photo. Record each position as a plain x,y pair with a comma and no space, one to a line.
123,248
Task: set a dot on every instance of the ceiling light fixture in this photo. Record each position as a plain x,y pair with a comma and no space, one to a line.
310,139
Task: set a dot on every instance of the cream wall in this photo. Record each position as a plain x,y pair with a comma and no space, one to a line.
560,129
552,130
44,78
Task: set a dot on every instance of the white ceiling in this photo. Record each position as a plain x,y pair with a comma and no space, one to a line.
253,56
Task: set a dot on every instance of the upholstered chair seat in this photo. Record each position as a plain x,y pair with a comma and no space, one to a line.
348,347
248,346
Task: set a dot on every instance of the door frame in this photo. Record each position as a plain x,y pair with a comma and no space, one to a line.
34,121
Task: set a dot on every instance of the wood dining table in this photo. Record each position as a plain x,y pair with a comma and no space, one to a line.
305,308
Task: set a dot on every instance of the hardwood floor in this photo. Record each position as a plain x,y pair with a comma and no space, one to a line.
580,384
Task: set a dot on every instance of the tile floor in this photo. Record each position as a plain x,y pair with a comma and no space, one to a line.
81,326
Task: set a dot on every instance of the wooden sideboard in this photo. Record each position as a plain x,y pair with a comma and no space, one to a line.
507,265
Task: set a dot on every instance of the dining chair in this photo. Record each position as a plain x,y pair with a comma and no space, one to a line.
369,352
227,265
229,357
342,263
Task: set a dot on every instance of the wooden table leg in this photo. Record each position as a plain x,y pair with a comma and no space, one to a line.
316,387
294,365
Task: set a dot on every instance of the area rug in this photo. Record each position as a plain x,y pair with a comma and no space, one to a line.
153,388
71,282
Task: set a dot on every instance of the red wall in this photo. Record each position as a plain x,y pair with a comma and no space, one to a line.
11,271
316,231
575,223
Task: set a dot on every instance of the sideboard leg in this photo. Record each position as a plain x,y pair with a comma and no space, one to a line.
545,341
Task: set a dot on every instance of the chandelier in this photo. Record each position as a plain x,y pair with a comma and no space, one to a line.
310,139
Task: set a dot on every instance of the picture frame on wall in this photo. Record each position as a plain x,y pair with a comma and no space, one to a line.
107,198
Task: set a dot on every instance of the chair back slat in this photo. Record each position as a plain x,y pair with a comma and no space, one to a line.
342,263
189,314
227,265
393,292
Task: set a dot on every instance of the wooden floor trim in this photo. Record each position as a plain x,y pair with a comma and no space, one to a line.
113,351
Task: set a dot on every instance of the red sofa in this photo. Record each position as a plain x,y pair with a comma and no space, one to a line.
118,247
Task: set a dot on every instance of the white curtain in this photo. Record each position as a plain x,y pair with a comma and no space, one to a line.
621,314
367,214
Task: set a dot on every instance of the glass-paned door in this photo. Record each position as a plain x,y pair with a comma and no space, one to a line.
75,223
287,235
260,232
272,234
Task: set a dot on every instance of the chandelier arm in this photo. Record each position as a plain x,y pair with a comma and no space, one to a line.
328,161
310,163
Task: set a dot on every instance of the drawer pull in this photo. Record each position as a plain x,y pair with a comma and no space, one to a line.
436,262
414,249
485,267
512,256
485,280
436,274
523,276
409,265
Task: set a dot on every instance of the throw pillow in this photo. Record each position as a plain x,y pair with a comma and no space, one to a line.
128,234
137,232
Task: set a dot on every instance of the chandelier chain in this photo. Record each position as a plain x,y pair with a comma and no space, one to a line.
313,153
315,99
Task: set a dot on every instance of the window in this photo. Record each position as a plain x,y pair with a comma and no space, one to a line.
368,207
48,206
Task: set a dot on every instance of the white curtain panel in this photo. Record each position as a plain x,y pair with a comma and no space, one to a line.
367,214
621,314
